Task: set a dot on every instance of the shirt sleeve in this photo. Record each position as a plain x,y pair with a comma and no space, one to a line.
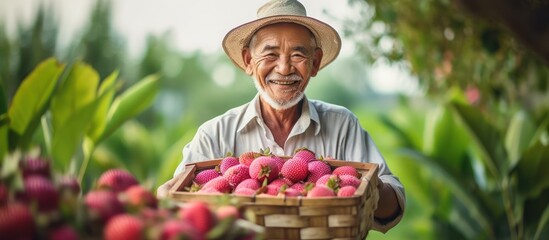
372,154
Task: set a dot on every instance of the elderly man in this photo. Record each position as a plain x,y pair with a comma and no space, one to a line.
282,50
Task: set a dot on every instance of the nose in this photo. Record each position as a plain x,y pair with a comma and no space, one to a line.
284,65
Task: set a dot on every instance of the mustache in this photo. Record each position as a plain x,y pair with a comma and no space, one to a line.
280,77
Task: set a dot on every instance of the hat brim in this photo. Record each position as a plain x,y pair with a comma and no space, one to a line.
326,37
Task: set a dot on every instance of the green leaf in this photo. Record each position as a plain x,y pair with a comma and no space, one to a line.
519,136
531,170
542,223
75,92
472,202
132,102
67,140
445,139
486,136
32,98
107,89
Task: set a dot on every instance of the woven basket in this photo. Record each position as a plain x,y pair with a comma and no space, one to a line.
300,217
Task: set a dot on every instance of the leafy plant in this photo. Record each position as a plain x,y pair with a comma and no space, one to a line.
73,108
489,175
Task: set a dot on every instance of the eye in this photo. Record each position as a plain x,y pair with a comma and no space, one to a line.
298,57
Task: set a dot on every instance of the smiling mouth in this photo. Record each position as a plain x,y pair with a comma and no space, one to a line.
284,82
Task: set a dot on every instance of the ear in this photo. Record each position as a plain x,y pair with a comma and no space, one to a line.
247,57
317,57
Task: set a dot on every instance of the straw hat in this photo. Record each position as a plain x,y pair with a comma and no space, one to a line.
277,11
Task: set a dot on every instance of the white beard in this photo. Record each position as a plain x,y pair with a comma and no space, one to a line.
278,105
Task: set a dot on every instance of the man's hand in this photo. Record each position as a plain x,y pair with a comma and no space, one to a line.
163,190
387,206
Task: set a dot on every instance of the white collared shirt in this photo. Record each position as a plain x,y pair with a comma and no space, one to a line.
328,130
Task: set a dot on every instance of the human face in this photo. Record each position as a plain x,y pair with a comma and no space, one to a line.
282,58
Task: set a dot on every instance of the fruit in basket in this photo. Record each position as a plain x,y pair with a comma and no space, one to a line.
304,154
264,167
248,157
221,184
236,174
348,180
317,169
228,162
346,170
274,187
205,176
321,191
249,183
346,191
295,169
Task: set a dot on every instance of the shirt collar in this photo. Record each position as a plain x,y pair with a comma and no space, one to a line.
252,112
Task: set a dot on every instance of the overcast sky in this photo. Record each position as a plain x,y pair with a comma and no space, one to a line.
194,25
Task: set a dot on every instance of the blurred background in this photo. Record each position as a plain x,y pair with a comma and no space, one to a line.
454,93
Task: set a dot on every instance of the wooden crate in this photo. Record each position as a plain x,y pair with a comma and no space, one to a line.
300,217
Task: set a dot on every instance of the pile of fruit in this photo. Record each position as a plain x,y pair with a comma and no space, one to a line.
36,203
261,173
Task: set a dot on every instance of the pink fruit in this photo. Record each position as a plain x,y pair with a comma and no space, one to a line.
205,176
346,191
41,191
298,186
248,183
35,166
124,226
317,169
320,191
4,194
291,192
16,222
331,181
228,162
237,174
198,215
244,191
64,232
227,211
102,205
117,180
264,167
220,184
139,197
274,187
304,154
346,170
295,169
279,162
178,229
348,180
247,158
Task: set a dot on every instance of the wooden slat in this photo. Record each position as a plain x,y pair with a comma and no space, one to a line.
342,220
286,221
